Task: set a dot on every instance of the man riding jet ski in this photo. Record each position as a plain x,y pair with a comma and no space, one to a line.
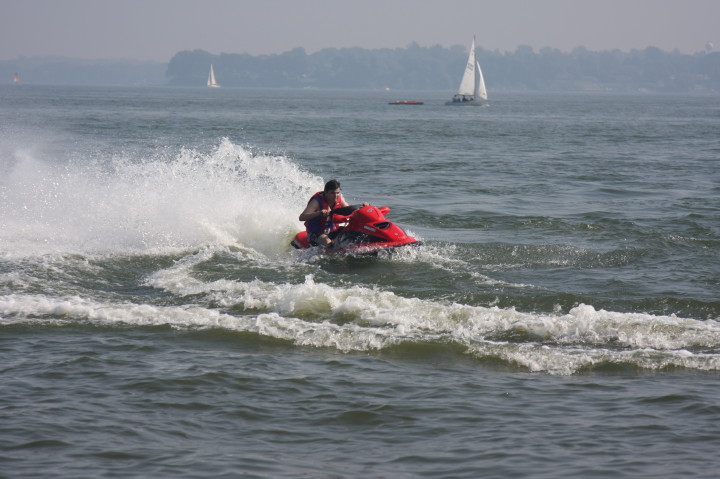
318,221
332,223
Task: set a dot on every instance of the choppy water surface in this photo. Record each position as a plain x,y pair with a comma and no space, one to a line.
560,319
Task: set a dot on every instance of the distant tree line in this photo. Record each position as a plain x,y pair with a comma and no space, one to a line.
436,68
411,68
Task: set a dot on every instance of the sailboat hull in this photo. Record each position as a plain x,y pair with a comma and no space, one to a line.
466,103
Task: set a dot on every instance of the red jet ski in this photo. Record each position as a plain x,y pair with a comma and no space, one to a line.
363,230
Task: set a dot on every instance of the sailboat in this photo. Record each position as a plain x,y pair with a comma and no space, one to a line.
16,78
211,79
472,89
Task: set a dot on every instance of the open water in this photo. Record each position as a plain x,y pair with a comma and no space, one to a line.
561,319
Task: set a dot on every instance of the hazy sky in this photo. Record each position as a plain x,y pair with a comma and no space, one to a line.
157,29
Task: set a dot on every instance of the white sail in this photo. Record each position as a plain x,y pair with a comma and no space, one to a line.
467,84
211,79
481,90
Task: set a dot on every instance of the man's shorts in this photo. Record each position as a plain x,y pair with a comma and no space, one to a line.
313,237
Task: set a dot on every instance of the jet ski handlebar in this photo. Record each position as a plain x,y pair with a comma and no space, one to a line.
345,210
342,214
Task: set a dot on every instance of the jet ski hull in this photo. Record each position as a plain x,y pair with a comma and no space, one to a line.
366,231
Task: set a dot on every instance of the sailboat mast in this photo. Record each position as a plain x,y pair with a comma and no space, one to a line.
476,68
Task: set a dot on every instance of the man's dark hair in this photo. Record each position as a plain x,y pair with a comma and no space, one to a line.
332,185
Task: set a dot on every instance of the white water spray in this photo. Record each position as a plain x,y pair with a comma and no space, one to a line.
230,195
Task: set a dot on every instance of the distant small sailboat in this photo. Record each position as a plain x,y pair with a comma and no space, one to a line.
472,89
16,78
211,79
